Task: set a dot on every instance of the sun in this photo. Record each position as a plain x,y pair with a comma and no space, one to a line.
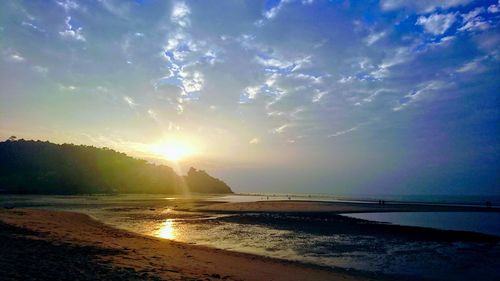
173,151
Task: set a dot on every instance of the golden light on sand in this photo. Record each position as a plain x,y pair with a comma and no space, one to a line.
167,230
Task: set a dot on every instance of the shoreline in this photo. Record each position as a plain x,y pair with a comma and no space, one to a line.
161,258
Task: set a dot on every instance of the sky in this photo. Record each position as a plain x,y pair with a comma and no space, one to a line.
337,97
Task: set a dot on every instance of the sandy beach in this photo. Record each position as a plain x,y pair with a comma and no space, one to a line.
295,206
73,244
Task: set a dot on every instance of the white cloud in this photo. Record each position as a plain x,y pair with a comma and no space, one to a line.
32,26
68,5
67,88
373,38
179,108
13,56
17,58
339,133
473,21
180,13
72,33
400,55
254,141
102,89
129,101
437,24
416,95
118,8
281,129
494,8
40,69
192,82
425,6
472,66
476,23
271,13
474,13
274,64
251,92
153,114
172,126
318,95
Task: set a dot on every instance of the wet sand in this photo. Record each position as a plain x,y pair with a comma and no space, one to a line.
333,207
50,245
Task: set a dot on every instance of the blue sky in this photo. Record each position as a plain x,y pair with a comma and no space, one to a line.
345,97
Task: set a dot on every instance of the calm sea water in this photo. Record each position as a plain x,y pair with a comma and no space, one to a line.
488,223
299,240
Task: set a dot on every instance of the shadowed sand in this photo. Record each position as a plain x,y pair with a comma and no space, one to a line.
334,207
140,257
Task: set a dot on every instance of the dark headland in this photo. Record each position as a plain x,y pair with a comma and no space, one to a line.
37,167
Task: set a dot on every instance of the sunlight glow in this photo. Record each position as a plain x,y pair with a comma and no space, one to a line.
167,230
173,150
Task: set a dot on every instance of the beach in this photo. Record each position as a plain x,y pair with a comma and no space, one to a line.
146,237
123,255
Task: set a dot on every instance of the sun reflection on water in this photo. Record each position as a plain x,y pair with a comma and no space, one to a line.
167,230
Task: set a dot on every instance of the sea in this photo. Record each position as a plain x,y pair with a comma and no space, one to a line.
317,241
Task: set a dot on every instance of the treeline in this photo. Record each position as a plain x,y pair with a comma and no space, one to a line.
36,167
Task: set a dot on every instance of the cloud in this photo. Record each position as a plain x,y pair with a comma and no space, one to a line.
184,56
251,92
281,129
118,8
494,8
475,24
398,56
32,26
416,95
67,88
273,8
153,114
180,13
16,57
340,133
421,6
254,141
472,66
40,69
374,37
191,82
273,64
318,95
68,5
474,21
129,101
437,24
71,32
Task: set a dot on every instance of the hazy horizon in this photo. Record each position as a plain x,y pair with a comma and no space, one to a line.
334,97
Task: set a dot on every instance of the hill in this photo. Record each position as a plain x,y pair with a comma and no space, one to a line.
36,167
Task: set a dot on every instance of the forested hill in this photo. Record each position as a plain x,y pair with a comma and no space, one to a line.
38,167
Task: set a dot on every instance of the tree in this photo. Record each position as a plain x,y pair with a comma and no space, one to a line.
46,168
